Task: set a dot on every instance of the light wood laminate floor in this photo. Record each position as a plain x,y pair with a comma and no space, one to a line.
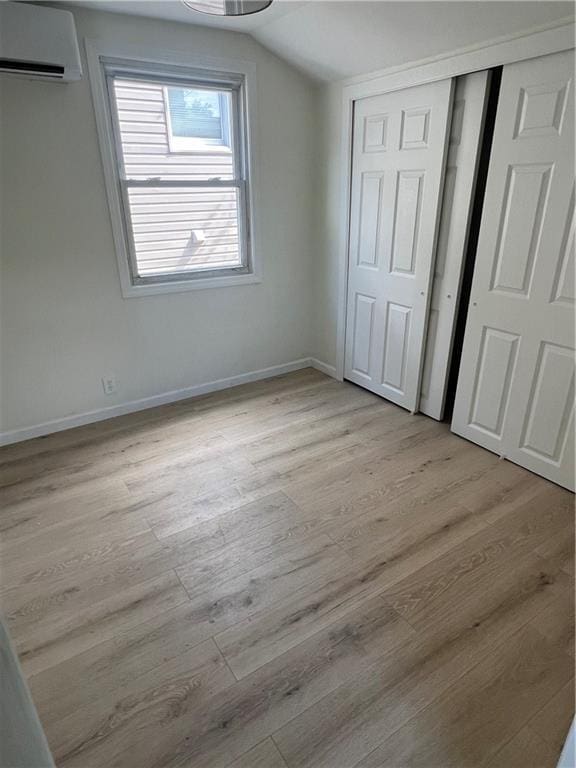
294,573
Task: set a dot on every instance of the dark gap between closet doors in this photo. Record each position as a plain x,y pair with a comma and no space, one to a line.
472,245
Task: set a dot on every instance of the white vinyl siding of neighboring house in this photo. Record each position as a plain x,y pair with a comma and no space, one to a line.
175,230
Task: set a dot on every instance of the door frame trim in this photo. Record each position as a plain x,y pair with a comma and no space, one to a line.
539,41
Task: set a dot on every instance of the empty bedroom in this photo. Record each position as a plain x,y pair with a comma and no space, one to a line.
287,384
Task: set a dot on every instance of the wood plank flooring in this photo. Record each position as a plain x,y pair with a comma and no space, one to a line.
289,574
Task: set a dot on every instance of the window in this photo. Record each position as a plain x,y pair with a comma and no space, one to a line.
196,119
178,151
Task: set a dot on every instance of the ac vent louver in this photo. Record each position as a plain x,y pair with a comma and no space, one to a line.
32,68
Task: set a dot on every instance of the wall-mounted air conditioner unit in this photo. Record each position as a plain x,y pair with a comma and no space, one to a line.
38,43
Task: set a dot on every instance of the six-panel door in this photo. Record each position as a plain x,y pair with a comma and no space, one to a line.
515,391
398,162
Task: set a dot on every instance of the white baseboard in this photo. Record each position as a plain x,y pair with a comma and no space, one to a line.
81,419
329,370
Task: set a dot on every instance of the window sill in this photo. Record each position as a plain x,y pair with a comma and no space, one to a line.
132,291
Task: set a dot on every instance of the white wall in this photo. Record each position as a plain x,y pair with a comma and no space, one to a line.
329,222
63,321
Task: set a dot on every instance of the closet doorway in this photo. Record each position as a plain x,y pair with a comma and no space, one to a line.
412,202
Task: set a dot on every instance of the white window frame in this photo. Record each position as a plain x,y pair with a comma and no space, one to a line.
179,68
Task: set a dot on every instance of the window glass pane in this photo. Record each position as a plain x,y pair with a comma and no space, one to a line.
195,114
184,230
151,150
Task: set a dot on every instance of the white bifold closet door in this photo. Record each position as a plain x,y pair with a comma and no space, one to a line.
459,184
515,392
399,151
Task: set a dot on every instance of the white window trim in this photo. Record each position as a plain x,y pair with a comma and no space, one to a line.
183,61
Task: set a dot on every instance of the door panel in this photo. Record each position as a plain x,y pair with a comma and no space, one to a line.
395,347
398,161
523,211
407,209
548,412
515,391
564,282
495,365
370,202
363,327
459,184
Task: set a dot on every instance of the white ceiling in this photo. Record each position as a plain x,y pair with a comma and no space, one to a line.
174,10
335,39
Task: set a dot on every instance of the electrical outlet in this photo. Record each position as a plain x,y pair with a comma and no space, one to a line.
109,384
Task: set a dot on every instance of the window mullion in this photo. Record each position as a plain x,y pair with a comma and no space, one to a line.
184,183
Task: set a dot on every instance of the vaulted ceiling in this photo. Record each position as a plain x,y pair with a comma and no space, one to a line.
334,40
